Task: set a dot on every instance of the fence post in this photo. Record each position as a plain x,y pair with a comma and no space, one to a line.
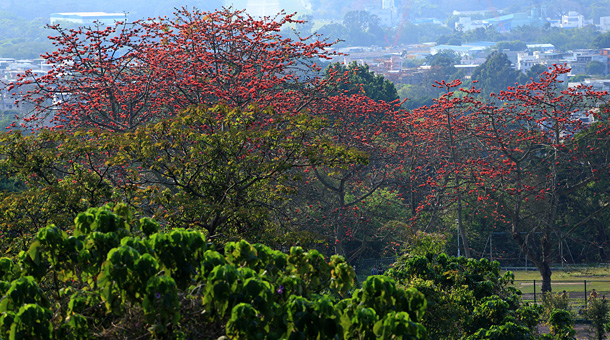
534,291
585,293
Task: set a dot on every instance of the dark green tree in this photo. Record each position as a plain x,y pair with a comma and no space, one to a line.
466,298
515,45
442,65
361,79
495,74
602,41
595,67
535,72
362,28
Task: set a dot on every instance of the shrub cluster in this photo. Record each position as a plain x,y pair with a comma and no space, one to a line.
113,276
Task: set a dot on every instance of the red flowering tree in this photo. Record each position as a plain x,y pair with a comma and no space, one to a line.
528,157
130,77
347,205
122,76
447,140
536,162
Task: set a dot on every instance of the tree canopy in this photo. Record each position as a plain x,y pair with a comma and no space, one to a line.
215,121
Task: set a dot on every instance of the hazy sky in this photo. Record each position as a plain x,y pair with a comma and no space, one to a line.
144,8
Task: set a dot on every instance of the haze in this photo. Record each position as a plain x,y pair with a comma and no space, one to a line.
318,9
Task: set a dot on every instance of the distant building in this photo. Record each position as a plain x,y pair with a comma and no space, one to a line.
606,52
385,12
263,8
505,23
465,24
387,4
470,50
572,20
541,47
579,60
526,60
87,18
596,84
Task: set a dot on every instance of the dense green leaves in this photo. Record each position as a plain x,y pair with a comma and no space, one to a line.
361,79
467,298
154,278
221,170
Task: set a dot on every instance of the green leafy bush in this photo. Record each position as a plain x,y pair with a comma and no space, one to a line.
551,302
112,273
561,324
466,298
597,313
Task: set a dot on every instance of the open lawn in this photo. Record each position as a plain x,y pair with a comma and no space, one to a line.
572,280
577,282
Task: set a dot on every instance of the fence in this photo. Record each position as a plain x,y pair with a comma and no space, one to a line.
578,291
365,267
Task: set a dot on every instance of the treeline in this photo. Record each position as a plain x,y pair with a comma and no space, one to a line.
152,146
225,126
111,275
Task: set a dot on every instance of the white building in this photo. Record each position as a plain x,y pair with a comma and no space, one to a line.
572,20
465,24
263,8
387,4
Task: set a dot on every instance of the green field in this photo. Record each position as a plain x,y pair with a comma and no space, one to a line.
572,280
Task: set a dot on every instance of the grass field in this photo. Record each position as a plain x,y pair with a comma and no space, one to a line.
572,280
577,282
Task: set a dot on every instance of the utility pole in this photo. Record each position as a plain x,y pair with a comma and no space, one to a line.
457,223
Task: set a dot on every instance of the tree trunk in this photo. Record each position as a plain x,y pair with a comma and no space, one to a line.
541,257
461,228
545,273
545,267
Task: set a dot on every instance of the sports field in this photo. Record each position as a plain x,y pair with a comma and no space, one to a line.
577,282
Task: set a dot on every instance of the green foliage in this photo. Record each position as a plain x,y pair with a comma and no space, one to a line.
602,41
511,45
507,331
21,38
31,322
362,28
362,80
466,298
495,74
422,243
597,313
222,171
174,283
595,67
554,301
561,324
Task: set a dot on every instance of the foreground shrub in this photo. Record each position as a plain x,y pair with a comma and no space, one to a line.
597,313
561,324
112,276
467,298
